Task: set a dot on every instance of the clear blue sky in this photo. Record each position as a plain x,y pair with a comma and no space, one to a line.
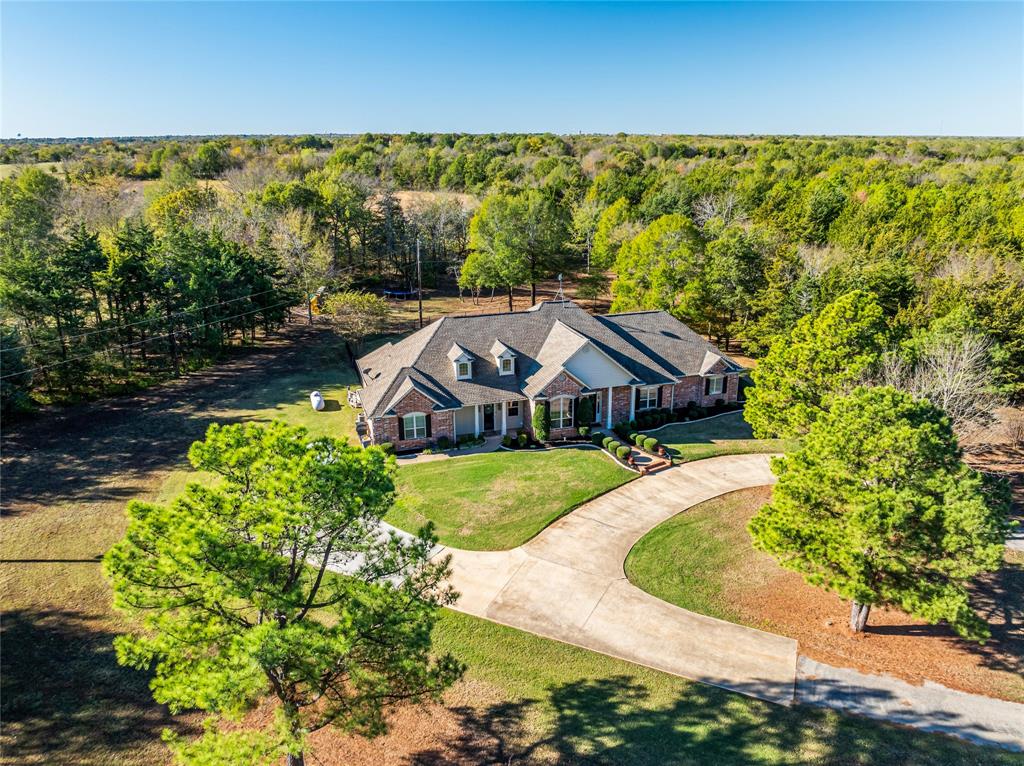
140,68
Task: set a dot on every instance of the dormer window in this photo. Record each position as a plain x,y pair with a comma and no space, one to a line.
462,362
504,358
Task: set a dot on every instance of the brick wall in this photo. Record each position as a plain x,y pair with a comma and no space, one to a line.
562,385
691,389
386,429
621,396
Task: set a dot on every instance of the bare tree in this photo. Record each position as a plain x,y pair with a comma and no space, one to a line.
954,374
725,207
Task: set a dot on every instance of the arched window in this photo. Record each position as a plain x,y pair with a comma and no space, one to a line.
414,426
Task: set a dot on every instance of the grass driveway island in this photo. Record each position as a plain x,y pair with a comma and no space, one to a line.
499,500
725,435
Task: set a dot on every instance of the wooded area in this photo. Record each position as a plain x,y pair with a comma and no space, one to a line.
130,259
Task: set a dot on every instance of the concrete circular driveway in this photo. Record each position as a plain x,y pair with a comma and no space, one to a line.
568,583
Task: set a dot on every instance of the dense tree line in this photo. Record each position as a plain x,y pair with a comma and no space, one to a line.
740,237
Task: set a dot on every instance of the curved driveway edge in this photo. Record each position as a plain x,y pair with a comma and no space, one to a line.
568,583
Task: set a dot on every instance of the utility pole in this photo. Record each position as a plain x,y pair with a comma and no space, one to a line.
419,280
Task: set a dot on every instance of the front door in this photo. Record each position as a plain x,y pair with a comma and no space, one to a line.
597,408
488,417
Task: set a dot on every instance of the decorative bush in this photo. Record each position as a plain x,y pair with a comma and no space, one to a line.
443,442
621,429
606,441
699,412
598,438
691,405
541,421
388,448
622,452
632,425
585,412
523,438
613,446
719,403
506,440
651,444
638,439
584,430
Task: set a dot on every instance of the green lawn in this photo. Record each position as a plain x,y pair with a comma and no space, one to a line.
561,704
692,559
725,435
501,499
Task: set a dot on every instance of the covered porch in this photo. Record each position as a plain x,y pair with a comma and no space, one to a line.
492,419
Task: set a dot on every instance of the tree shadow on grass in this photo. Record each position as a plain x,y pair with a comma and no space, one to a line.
615,721
65,698
106,451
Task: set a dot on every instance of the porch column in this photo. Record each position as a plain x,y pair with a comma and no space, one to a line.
608,416
476,413
672,398
632,402
504,421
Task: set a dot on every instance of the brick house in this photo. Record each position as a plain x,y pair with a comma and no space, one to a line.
486,374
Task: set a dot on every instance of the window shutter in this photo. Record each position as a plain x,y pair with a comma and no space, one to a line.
636,398
401,428
575,412
659,396
427,418
725,386
707,386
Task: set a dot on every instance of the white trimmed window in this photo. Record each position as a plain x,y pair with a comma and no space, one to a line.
463,370
561,412
512,409
715,384
507,366
414,425
648,399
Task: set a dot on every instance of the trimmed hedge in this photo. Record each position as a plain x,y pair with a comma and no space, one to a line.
623,452
387,448
650,444
606,441
598,439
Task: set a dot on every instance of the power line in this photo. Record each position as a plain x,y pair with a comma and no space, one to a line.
141,321
140,342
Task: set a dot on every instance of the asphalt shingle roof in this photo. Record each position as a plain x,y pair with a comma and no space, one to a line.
653,346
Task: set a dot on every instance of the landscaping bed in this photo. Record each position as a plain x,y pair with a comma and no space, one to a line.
498,500
702,560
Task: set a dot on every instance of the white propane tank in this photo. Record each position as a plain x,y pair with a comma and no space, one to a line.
316,400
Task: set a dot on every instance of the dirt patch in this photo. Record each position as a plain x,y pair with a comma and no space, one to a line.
895,643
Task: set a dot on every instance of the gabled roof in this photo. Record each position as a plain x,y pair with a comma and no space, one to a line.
653,347
458,352
498,349
407,386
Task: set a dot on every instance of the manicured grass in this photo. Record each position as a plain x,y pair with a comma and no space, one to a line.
562,704
725,435
500,499
692,559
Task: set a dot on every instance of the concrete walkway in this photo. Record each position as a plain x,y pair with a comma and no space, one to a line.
491,443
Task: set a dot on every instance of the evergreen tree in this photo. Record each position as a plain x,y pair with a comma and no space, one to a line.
877,507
